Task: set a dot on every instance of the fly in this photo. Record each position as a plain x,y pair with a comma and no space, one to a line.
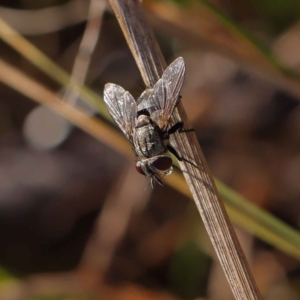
145,123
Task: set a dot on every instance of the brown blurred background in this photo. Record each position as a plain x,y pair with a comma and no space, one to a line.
78,223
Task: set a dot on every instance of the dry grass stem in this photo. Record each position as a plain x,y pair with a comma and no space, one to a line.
39,59
33,90
86,48
151,64
45,20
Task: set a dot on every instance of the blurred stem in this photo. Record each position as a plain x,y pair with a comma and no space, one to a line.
33,90
86,48
40,60
46,20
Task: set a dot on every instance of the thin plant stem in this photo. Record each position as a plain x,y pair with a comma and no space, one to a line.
150,61
86,48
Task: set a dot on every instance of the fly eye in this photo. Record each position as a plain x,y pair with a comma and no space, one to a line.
139,168
162,163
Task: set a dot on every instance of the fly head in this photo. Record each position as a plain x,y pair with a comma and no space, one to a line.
155,167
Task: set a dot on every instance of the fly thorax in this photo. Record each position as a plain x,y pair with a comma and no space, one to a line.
142,120
158,119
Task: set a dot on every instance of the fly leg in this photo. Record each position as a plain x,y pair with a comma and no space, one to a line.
178,127
178,156
157,179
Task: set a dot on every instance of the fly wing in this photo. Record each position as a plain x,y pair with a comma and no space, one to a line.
121,106
156,98
172,82
165,93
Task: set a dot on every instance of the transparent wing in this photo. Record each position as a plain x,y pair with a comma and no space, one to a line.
156,99
165,93
172,82
121,106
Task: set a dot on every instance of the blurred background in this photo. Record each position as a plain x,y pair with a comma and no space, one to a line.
77,221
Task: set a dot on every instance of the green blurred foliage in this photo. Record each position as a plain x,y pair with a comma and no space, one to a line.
5,276
188,271
279,13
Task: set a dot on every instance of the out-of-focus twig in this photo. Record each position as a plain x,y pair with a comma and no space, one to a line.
36,57
151,64
73,286
86,48
30,88
112,223
45,20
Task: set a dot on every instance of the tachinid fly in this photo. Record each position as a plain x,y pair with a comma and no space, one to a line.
145,123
